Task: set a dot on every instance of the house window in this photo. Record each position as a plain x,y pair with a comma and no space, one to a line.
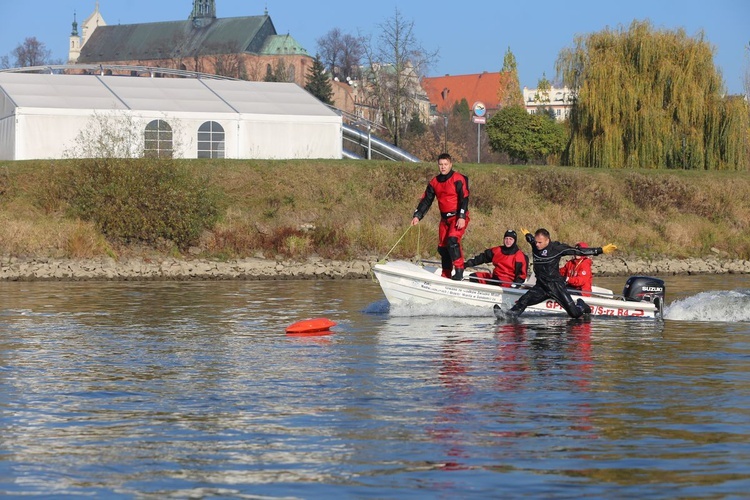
211,140
158,140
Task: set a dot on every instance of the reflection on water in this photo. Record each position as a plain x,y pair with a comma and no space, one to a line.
192,389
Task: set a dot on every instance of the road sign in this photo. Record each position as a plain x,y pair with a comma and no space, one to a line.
479,108
479,119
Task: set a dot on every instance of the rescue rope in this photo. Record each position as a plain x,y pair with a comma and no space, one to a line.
381,261
419,236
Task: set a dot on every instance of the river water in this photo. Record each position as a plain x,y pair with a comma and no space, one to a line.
193,390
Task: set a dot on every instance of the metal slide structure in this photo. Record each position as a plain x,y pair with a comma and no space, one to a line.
374,145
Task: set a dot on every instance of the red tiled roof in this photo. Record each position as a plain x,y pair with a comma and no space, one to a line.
477,87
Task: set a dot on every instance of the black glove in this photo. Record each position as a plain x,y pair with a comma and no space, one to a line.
527,235
469,263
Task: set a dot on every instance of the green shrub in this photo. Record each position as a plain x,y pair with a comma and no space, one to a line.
143,200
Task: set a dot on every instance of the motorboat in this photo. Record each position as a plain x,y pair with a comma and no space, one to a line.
406,283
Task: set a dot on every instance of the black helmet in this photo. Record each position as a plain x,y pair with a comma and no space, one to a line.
511,233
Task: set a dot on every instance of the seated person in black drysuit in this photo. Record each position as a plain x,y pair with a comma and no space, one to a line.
549,283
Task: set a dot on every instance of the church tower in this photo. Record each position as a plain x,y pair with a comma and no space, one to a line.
78,40
75,42
204,12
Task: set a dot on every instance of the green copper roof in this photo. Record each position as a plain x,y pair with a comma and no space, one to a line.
282,45
178,39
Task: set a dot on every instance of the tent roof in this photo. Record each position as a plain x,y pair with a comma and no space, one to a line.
159,94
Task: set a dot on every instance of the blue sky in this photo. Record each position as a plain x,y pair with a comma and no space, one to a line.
470,36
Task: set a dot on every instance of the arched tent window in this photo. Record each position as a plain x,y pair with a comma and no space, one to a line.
211,140
158,140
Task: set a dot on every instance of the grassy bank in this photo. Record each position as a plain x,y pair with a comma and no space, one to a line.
345,209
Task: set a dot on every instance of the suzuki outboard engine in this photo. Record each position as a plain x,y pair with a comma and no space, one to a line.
646,289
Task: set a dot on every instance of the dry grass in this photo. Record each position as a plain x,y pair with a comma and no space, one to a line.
345,209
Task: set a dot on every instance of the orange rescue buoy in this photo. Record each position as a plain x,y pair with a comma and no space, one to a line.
318,326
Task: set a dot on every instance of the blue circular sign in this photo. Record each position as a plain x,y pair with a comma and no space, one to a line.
479,108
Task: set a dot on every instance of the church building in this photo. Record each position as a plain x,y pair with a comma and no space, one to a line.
248,48
87,27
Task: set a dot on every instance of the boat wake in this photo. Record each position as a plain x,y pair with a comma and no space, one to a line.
719,305
379,307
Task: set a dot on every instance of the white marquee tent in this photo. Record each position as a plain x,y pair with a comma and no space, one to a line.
46,116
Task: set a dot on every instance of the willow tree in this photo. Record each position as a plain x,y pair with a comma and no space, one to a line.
651,99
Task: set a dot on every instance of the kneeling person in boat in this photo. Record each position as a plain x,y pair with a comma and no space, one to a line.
577,272
549,283
510,263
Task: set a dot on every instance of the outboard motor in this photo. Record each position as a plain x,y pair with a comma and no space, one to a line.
646,289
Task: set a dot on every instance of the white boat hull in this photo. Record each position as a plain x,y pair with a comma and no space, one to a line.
404,283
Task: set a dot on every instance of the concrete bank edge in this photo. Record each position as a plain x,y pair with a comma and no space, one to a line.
142,269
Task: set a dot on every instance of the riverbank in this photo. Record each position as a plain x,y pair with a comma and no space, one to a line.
344,210
172,269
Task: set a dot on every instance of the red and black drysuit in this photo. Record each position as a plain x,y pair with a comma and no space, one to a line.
549,283
452,193
510,265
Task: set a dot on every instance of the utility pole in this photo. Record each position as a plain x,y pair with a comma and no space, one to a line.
445,126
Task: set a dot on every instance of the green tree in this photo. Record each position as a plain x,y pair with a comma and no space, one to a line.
318,83
542,98
461,110
509,93
279,73
525,137
543,88
746,79
650,99
416,126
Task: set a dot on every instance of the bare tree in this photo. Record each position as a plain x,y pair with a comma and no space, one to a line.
330,48
396,64
354,51
4,62
255,69
341,53
31,52
222,59
231,65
